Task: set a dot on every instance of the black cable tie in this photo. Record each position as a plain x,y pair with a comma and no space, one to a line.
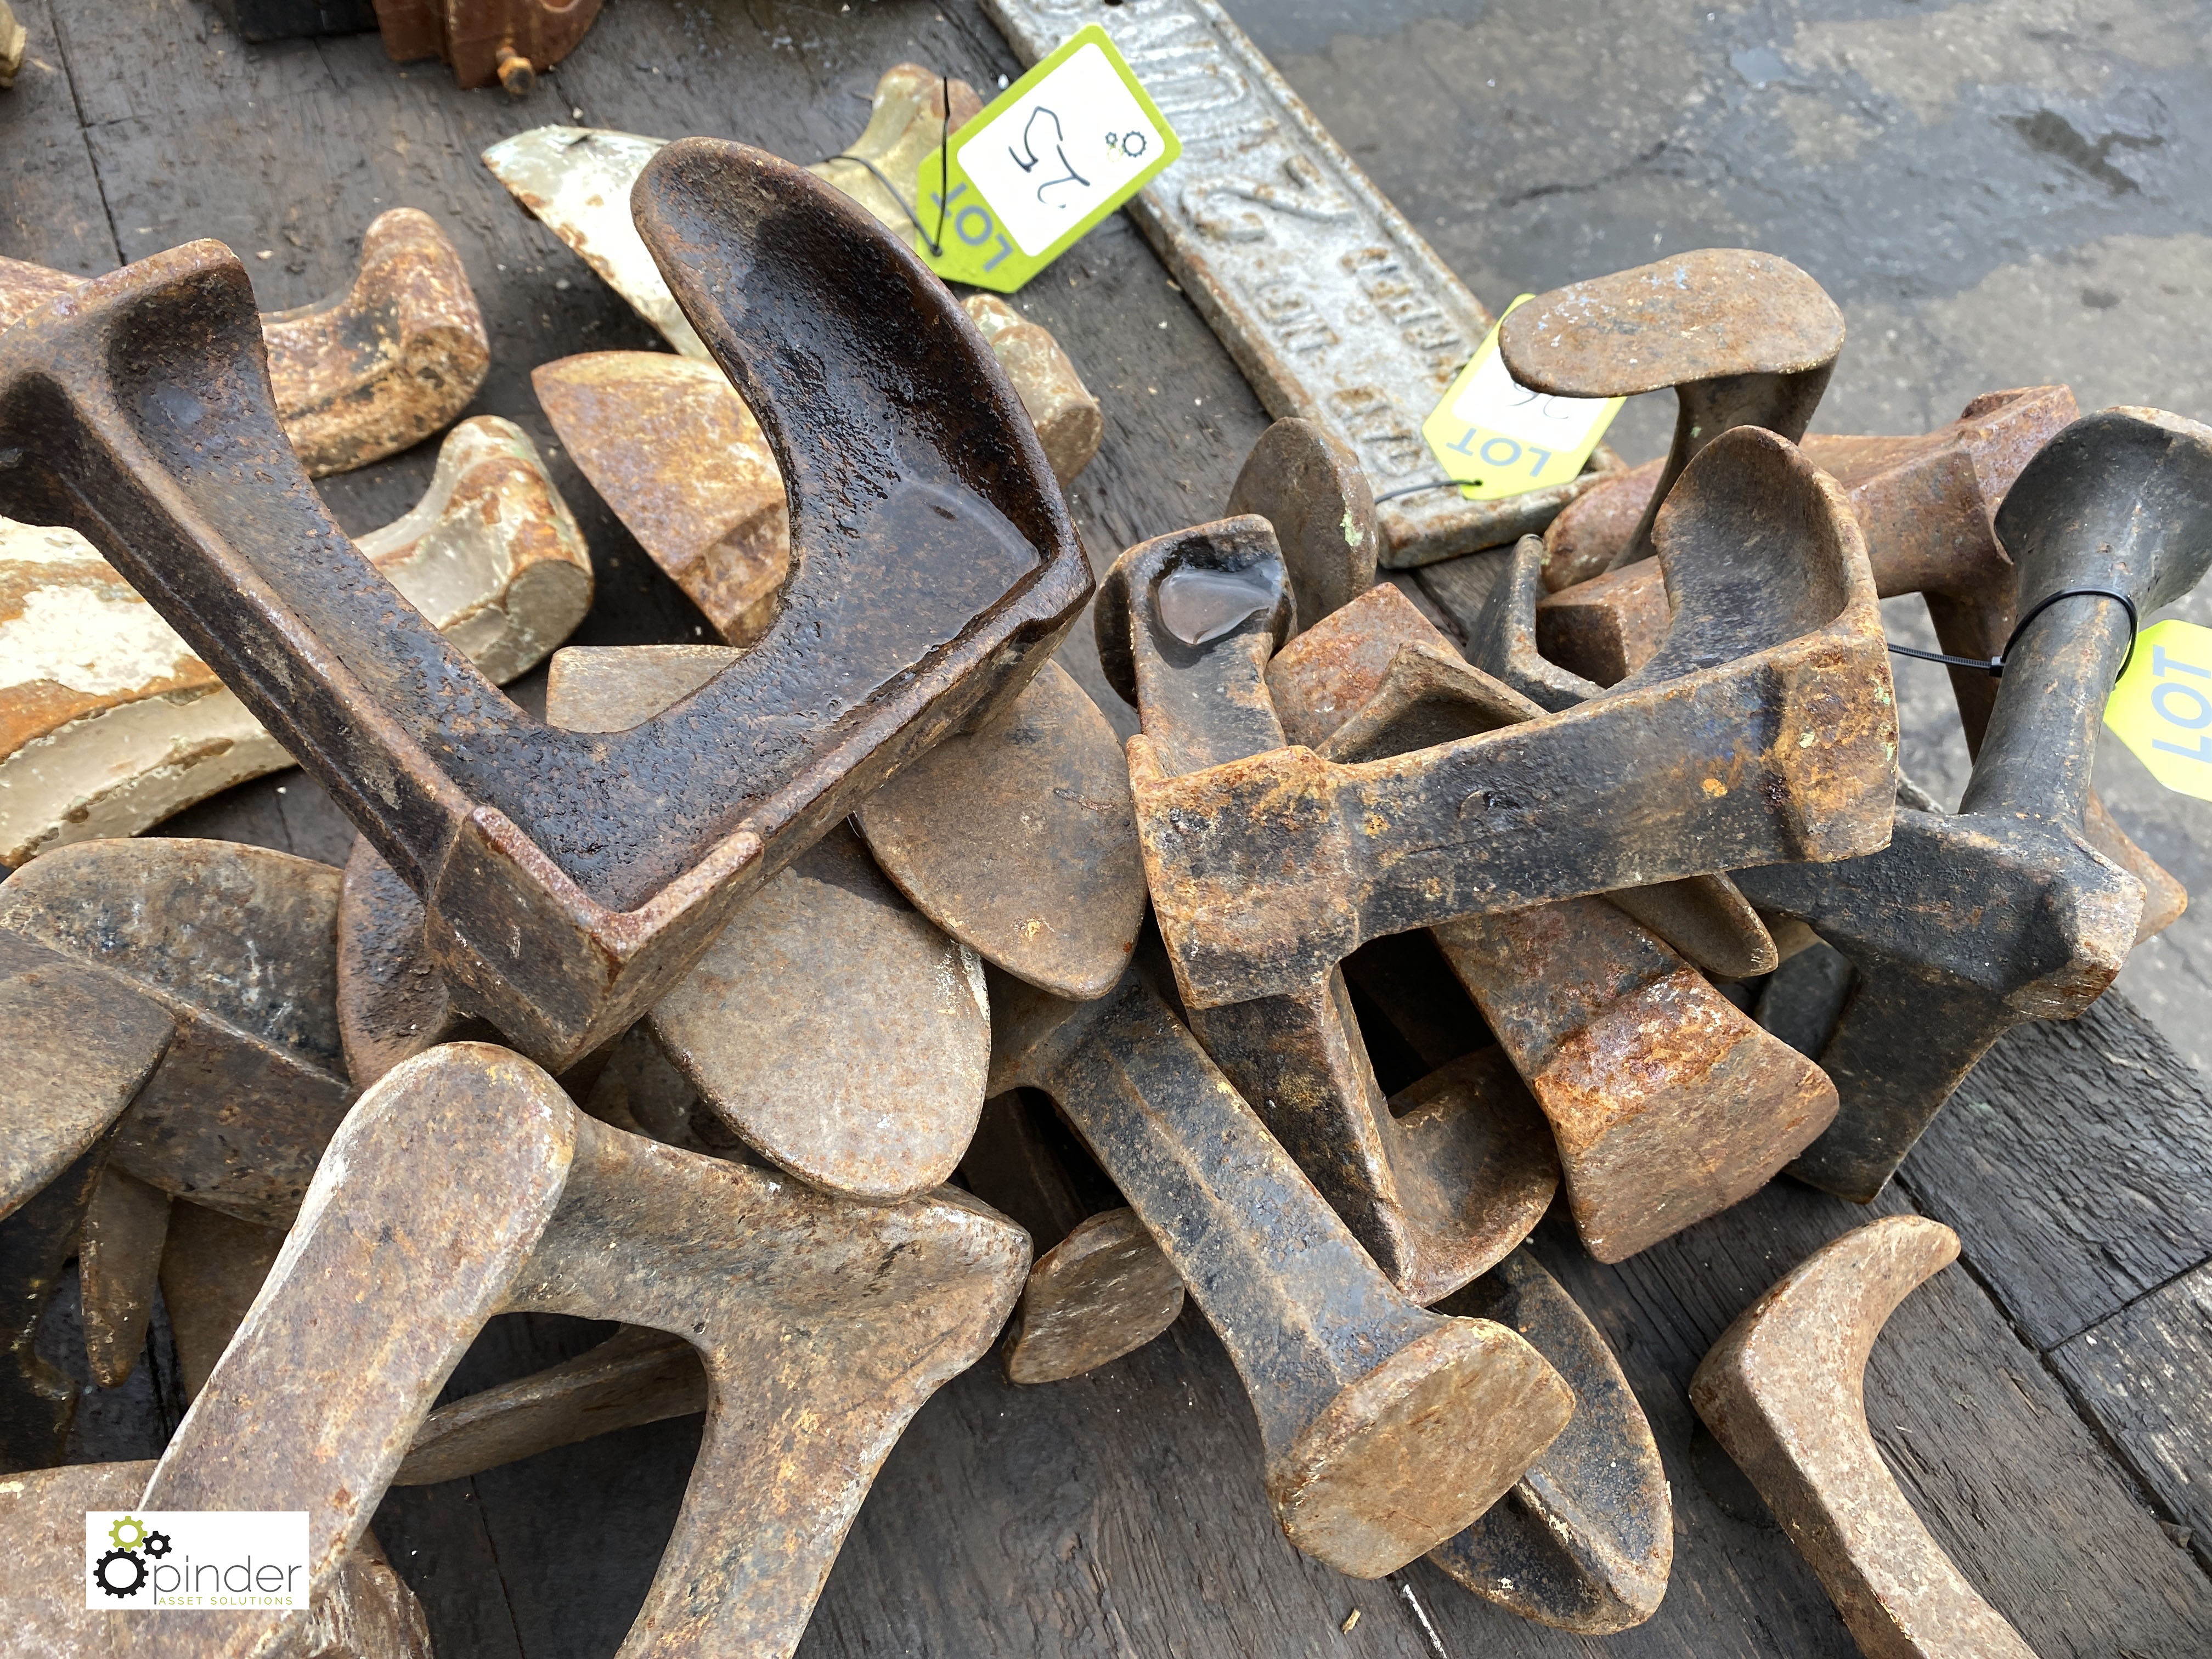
944,176
1993,667
1416,490
890,189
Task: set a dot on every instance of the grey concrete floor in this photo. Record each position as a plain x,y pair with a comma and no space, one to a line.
1997,192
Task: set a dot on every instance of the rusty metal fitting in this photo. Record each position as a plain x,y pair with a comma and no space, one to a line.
1745,339
1307,484
366,373
1386,1428
171,1004
486,42
1197,615
1964,925
1763,730
671,447
571,878
1928,507
1379,679
1585,1540
116,725
1784,1392
1666,1102
805,1310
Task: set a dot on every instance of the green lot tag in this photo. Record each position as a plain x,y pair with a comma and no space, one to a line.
2162,707
1055,153
1495,437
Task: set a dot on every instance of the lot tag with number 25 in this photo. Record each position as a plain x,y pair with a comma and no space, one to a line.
1053,155
2162,707
1495,437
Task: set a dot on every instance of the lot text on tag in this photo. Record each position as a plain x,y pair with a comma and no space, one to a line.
195,1560
1053,155
2162,707
1494,437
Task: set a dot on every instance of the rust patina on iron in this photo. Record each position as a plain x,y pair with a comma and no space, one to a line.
1306,483
1352,679
503,43
120,1262
1745,339
1928,507
1197,616
1386,1428
673,449
1965,926
823,1326
572,877
1585,1540
1666,1102
1784,1392
109,724
1019,839
364,373
1763,730
170,1005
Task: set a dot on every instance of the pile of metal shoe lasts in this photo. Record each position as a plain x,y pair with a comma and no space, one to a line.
682,1005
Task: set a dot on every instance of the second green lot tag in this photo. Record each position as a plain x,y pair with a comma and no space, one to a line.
1055,153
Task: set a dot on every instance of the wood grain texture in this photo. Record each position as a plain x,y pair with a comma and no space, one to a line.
2143,1374
2071,1162
50,208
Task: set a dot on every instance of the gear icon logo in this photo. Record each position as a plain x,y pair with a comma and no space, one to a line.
107,1574
157,1544
131,1524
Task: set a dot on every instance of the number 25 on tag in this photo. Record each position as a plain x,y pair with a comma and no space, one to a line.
1053,155
2162,707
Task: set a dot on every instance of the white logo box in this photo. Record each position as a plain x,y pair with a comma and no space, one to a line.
195,1560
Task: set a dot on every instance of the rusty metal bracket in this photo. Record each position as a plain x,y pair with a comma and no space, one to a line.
1331,303
1745,339
1585,1540
1197,615
1783,1393
170,1008
364,373
1379,679
1386,1428
1306,483
824,1326
1965,926
1667,1104
1763,730
1928,507
571,878
111,724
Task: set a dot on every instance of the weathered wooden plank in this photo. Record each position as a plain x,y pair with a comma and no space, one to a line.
50,211
2072,1163
2142,1374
